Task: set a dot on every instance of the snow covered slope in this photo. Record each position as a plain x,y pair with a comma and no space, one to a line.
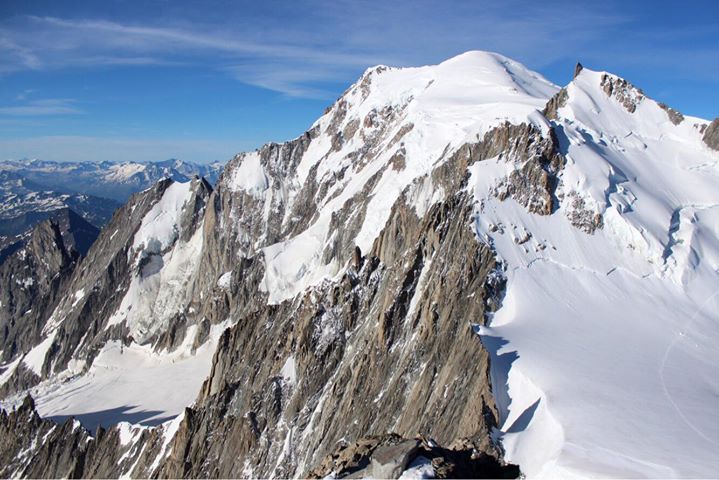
390,128
606,342
131,383
435,221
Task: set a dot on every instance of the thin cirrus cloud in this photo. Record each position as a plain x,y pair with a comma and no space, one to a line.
300,56
42,107
302,49
310,50
46,43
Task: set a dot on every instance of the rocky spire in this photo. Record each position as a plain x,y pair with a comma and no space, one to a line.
577,69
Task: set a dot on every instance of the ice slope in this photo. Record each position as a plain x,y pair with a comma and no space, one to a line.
433,110
131,383
159,288
604,351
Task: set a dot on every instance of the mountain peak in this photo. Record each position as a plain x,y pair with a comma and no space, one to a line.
477,57
465,95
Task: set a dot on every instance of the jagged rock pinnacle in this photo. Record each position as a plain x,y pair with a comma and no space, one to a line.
357,258
577,69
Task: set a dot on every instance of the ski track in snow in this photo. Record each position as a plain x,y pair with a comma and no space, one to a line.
678,336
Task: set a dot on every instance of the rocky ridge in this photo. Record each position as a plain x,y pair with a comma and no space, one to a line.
80,321
34,279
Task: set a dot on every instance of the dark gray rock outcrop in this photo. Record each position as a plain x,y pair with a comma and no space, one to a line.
32,447
387,456
534,181
675,116
33,280
578,69
555,103
624,92
711,135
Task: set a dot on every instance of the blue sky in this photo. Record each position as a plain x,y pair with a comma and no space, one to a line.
154,79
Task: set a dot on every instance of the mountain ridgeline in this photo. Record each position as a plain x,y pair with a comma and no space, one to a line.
35,190
342,304
114,181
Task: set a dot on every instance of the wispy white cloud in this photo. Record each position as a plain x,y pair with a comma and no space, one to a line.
16,56
291,80
43,107
295,56
295,49
46,43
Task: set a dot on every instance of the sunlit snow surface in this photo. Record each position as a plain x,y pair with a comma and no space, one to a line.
447,105
158,290
131,383
604,353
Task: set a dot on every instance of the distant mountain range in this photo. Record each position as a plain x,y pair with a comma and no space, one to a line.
34,190
116,181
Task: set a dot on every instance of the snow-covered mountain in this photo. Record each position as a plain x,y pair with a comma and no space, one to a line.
518,273
116,181
24,204
33,190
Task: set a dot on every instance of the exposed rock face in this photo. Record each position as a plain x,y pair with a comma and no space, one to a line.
332,337
675,116
33,280
538,161
580,216
711,135
624,92
554,104
578,69
33,447
390,317
387,456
